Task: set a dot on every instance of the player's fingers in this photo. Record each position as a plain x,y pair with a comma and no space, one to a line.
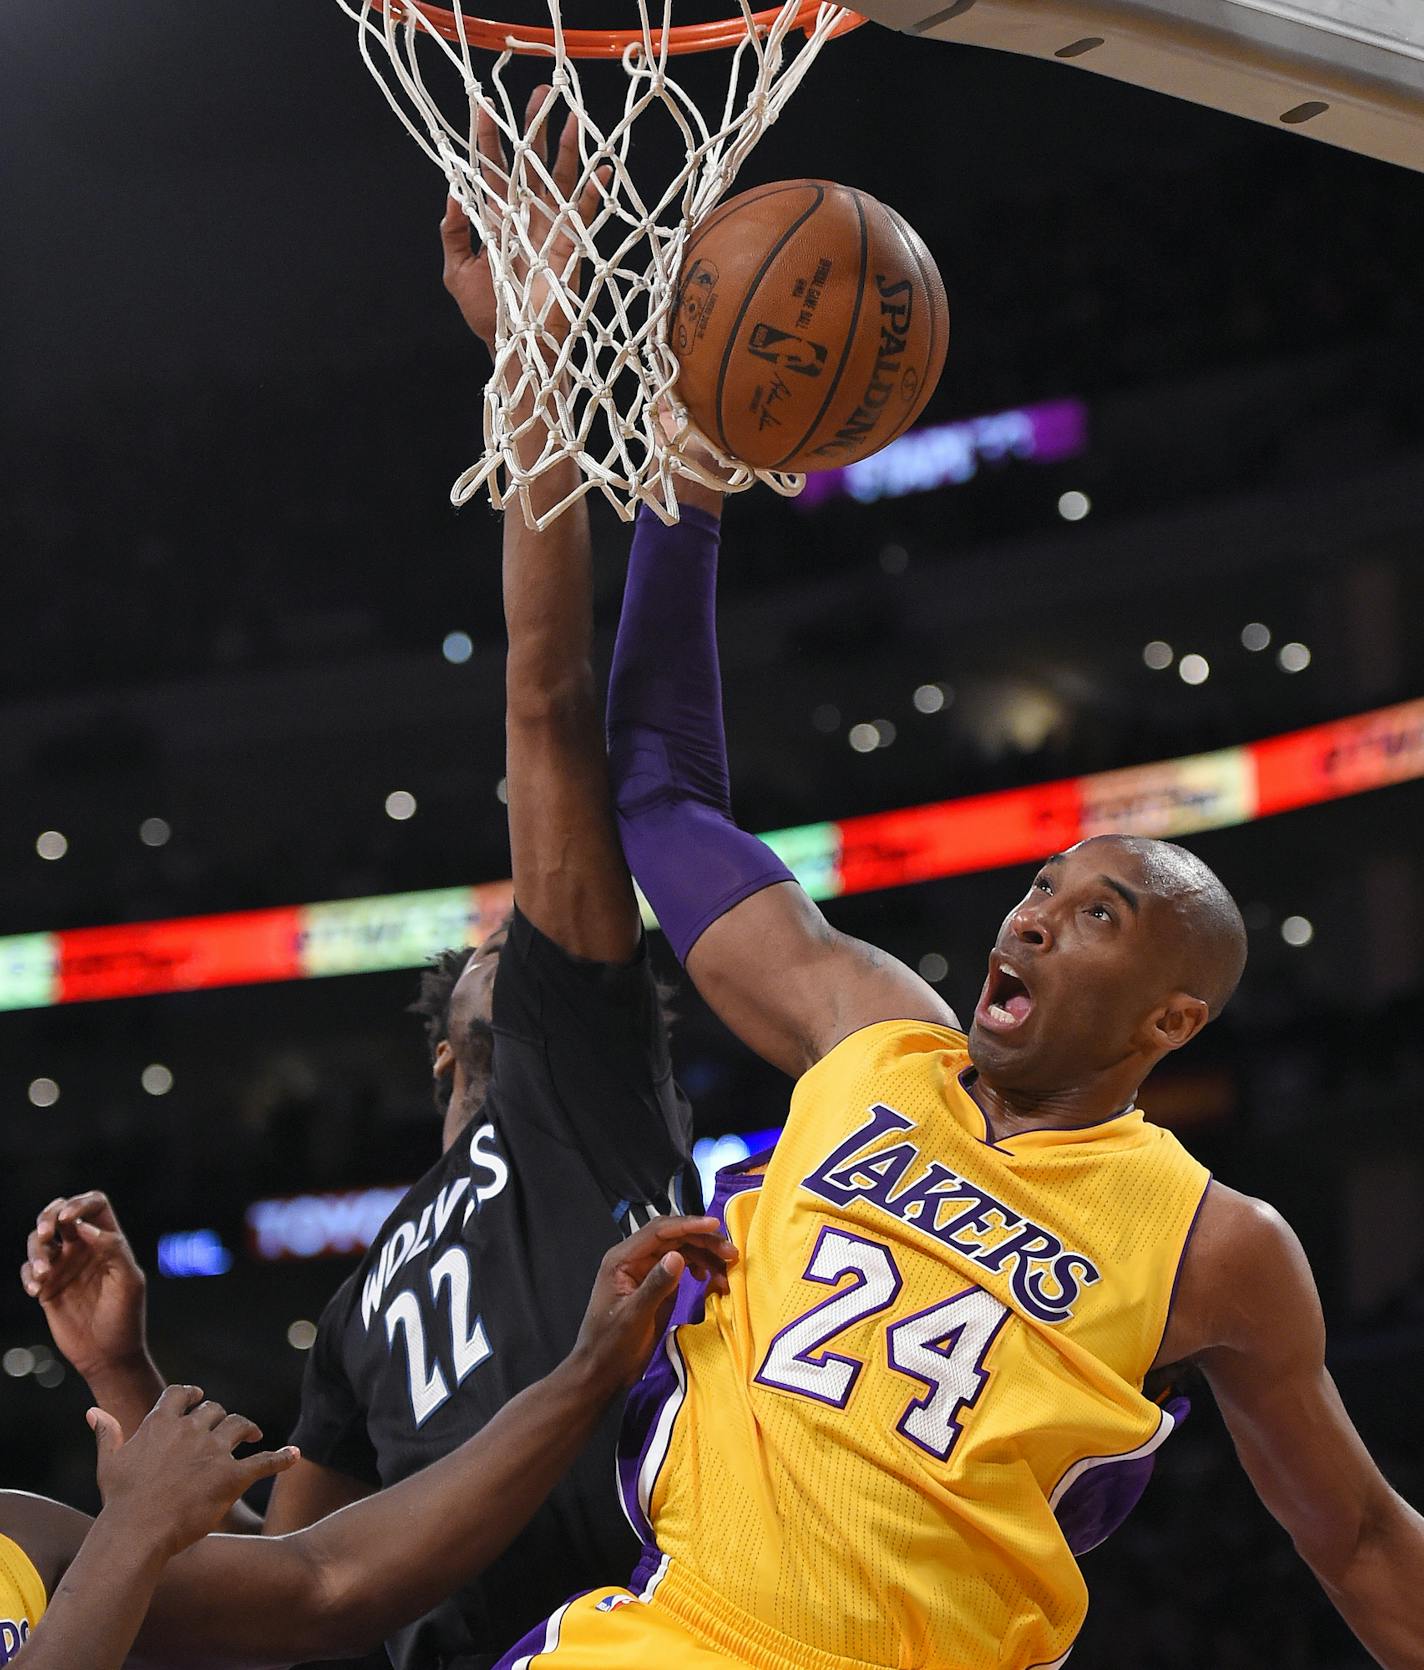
28,1280
37,1249
267,1462
233,1430
47,1220
208,1414
455,236
108,1434
92,1205
489,150
177,1400
660,1282
566,158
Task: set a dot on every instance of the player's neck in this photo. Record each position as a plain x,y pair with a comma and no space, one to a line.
1073,1107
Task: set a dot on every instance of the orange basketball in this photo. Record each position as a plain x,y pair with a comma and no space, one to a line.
810,325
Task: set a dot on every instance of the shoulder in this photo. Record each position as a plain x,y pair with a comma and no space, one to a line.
879,1045
47,1532
1245,1280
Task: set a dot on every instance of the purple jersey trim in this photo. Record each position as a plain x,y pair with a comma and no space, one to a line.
1108,1488
1181,1264
652,1405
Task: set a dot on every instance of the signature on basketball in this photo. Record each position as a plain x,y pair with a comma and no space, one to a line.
896,309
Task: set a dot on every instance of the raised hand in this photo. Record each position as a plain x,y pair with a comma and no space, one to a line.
633,1292
177,1476
467,271
79,1265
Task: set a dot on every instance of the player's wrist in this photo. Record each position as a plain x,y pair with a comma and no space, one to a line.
123,1373
133,1538
589,1376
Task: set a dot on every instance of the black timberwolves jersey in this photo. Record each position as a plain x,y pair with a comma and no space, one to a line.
477,1283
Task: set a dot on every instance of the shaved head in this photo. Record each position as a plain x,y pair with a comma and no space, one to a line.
1202,923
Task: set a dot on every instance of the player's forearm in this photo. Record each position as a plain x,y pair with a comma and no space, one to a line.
97,1609
390,1558
667,747
1380,1592
570,876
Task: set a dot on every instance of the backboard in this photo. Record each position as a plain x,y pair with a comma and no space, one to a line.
1349,72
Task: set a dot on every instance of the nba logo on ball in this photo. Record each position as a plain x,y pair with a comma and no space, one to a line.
766,268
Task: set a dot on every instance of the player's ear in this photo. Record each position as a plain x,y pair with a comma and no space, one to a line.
1177,1021
444,1059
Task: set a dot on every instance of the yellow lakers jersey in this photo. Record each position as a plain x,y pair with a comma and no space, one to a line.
22,1598
923,1394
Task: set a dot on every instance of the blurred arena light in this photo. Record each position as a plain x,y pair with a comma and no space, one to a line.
318,1225
832,859
1255,636
1194,669
155,832
893,559
51,845
457,648
18,1361
826,717
1073,506
933,967
1297,930
1158,655
930,698
193,1252
949,454
44,1093
713,1154
156,1079
864,738
1293,658
501,791
400,805
301,1335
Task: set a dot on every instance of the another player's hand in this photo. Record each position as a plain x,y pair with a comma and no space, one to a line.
79,1265
176,1478
467,272
634,1291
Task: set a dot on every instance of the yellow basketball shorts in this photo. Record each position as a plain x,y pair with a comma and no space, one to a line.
675,1622
611,1629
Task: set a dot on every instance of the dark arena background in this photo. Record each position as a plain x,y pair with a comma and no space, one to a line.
1163,519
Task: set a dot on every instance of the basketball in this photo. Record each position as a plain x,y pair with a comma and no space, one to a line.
810,324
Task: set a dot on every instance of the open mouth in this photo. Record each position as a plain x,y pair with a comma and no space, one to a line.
1007,1001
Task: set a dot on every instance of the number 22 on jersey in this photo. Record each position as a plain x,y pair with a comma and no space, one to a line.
942,1348
469,1346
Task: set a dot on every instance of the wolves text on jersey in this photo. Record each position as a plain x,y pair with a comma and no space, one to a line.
490,1173
1047,1278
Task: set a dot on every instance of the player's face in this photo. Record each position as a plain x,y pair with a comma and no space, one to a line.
473,996
1074,976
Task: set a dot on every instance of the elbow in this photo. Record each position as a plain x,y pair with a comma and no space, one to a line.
551,694
337,1620
1339,1558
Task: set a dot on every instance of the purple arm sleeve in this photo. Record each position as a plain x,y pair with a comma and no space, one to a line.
666,746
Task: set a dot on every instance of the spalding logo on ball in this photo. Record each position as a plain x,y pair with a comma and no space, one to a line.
810,326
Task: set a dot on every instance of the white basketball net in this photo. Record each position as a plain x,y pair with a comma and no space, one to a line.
596,383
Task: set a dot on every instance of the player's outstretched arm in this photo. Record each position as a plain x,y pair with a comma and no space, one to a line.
1249,1285
80,1267
570,877
166,1487
759,950
343,1584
